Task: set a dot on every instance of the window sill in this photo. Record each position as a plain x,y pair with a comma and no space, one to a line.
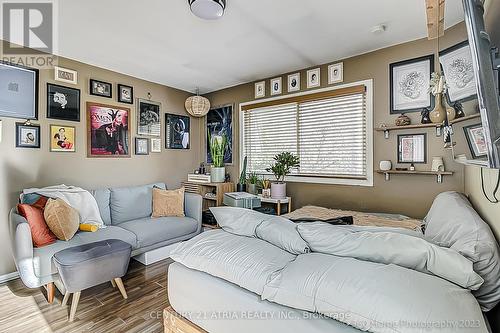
331,180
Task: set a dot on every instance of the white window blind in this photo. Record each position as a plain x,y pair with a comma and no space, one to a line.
328,135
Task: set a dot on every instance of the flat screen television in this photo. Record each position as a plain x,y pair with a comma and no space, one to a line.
18,91
486,63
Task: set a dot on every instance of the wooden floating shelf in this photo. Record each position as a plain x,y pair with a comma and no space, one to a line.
439,174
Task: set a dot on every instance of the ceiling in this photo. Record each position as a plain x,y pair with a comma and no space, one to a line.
161,41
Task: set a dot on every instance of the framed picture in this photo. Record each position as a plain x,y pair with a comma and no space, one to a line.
141,146
219,121
476,140
260,89
27,136
336,73
313,78
62,138
65,75
18,91
148,118
100,88
156,145
412,148
276,86
294,82
409,84
125,94
177,130
108,130
456,63
63,102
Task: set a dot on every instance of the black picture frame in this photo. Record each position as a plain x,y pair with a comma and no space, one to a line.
400,149
448,51
176,128
10,84
470,141
394,66
94,85
148,118
58,110
219,120
22,130
143,140
121,98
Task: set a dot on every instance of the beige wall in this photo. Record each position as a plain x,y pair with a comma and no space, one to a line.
22,168
410,195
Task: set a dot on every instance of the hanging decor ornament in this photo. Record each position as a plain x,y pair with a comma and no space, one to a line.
197,106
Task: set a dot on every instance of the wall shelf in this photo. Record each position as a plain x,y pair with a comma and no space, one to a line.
438,174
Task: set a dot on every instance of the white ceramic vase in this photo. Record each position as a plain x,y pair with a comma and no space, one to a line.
278,190
437,164
217,175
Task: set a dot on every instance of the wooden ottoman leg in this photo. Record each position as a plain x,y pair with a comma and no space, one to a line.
51,290
113,283
65,298
120,285
74,305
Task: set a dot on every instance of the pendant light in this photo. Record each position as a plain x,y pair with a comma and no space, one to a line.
208,9
197,106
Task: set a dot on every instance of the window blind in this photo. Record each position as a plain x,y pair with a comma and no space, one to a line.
329,135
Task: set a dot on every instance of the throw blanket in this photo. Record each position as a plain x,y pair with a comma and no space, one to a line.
76,197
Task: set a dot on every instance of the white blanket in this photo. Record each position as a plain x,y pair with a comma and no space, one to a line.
76,197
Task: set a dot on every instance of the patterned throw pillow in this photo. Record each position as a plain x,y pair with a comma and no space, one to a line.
168,202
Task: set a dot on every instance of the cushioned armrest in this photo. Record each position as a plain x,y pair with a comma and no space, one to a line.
193,206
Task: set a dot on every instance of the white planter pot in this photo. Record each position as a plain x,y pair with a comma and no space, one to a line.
218,175
278,190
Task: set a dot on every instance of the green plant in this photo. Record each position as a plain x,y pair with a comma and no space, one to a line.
283,164
218,145
243,172
253,178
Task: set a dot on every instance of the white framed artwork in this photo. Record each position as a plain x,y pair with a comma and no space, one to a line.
294,82
336,73
260,89
276,86
313,78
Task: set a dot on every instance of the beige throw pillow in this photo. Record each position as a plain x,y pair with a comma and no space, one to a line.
62,219
168,202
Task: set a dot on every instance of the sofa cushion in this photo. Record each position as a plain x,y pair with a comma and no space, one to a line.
40,232
110,232
102,198
150,231
131,203
168,202
62,219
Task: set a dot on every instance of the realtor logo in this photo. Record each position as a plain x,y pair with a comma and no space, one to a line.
29,25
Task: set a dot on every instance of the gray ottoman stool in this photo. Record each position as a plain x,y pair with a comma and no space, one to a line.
88,265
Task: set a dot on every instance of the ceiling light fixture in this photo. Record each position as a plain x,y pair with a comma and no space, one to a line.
208,9
197,105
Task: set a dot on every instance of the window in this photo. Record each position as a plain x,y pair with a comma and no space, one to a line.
328,130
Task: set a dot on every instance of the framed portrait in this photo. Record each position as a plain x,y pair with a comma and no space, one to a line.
141,146
476,140
456,63
65,75
63,102
18,91
219,121
148,118
108,130
412,148
155,145
177,130
336,73
27,136
294,82
101,88
125,94
313,78
276,86
260,89
409,84
62,138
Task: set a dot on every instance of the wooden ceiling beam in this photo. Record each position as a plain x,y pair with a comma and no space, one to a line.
435,18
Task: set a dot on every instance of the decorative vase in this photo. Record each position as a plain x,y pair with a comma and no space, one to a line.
459,110
403,120
450,112
438,115
437,164
252,188
385,165
241,187
217,175
278,190
425,117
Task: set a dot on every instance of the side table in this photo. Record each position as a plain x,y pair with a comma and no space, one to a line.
278,203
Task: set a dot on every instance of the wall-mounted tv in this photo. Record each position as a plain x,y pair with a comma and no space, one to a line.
18,91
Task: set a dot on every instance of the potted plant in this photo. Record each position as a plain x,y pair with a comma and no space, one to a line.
283,165
266,188
218,145
253,180
241,186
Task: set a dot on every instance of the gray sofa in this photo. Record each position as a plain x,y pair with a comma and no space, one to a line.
126,211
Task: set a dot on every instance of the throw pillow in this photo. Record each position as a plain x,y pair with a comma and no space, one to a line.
168,202
62,219
40,232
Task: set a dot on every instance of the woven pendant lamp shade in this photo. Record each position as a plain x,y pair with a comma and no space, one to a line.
197,106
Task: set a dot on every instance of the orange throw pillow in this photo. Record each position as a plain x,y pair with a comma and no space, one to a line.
40,232
168,202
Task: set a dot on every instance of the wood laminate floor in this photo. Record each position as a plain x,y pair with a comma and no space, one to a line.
101,308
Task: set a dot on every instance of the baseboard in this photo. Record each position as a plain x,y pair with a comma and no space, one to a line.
155,255
9,277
